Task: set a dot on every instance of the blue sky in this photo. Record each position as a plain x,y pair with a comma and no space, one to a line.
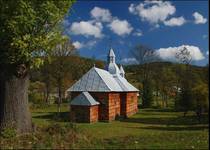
166,26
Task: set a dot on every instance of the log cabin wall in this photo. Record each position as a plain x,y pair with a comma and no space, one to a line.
94,113
103,99
131,103
114,105
84,113
80,113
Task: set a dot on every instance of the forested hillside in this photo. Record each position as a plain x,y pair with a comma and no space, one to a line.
165,80
163,88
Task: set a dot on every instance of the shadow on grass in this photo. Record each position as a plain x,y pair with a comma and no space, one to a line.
176,128
160,110
53,116
180,120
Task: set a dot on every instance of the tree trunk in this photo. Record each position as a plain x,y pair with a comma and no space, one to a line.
47,94
59,96
156,97
14,109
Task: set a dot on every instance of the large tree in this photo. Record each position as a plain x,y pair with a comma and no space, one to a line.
28,29
144,55
61,68
186,102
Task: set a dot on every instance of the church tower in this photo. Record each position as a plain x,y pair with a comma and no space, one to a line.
111,65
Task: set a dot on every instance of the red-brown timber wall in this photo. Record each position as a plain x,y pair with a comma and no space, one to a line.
94,113
113,104
131,103
103,99
84,113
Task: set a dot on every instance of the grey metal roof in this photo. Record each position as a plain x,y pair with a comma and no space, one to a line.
121,69
99,80
84,99
124,84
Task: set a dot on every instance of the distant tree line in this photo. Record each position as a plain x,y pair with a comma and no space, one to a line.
165,84
57,75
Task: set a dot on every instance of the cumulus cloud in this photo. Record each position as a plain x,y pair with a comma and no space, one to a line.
87,28
153,11
78,44
199,19
138,33
175,21
170,52
89,44
120,27
128,61
101,14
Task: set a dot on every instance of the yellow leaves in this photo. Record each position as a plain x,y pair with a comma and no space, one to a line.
37,62
30,28
21,42
201,93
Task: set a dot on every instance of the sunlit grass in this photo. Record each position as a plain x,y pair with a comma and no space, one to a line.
148,129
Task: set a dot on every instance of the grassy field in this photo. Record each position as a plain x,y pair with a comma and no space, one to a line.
148,129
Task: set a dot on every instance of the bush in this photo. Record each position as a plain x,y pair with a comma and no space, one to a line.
8,133
60,129
35,98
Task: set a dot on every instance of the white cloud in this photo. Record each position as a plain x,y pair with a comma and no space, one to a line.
153,11
207,53
128,61
170,52
175,21
132,9
199,19
89,44
120,27
101,14
138,33
87,28
78,45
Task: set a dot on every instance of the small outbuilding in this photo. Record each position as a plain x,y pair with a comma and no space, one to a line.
85,108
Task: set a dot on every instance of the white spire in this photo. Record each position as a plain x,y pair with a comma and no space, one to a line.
111,53
122,72
112,66
111,56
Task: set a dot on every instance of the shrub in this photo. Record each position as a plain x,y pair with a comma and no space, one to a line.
35,98
8,132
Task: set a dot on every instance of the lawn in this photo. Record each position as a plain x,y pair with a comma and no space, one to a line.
148,129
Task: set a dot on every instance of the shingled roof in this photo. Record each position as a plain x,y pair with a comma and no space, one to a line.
99,80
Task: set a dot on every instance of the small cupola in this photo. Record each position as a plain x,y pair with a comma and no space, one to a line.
112,66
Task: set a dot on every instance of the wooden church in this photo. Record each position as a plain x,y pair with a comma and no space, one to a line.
103,95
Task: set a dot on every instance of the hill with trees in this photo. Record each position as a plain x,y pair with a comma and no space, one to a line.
163,89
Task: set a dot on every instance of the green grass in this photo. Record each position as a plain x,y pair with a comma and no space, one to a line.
148,129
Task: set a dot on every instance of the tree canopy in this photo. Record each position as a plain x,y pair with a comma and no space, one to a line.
29,28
